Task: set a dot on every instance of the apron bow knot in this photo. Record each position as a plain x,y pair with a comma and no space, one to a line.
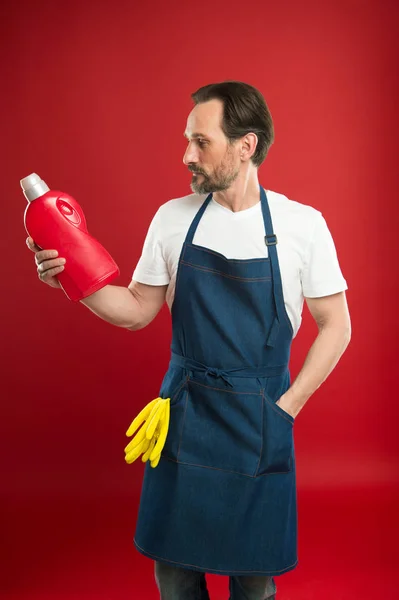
218,373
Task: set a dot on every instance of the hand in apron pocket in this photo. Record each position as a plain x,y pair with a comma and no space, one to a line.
278,439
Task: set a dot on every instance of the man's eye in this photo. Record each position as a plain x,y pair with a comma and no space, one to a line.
199,141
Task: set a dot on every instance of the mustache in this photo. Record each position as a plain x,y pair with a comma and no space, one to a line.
195,171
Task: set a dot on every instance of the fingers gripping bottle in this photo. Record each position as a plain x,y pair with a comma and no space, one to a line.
55,221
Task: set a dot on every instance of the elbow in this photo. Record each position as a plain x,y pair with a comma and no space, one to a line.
341,331
136,327
349,333
345,334
347,329
139,324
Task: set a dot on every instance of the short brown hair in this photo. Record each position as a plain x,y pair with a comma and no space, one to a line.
244,111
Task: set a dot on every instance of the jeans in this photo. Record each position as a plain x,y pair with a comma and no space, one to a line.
175,583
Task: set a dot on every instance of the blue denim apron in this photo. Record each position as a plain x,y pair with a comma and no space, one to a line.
223,497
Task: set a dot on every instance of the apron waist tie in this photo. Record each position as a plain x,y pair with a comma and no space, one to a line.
225,374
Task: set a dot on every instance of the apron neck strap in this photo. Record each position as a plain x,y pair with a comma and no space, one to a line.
271,243
267,219
196,220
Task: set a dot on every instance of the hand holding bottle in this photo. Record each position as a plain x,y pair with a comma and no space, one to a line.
49,265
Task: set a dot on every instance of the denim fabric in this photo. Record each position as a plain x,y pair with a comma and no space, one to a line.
175,583
223,496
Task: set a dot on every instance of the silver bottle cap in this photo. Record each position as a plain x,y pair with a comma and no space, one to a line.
33,187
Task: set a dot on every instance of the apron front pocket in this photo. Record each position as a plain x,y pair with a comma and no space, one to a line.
278,439
222,429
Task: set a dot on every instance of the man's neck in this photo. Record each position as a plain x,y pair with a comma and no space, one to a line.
241,195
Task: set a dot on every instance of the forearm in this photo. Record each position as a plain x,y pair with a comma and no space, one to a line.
321,359
116,305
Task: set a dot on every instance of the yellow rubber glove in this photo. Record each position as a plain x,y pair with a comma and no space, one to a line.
138,445
161,438
151,437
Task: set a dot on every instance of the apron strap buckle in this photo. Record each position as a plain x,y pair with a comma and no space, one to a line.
271,240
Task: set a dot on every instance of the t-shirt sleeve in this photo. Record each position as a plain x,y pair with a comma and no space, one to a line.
152,268
321,274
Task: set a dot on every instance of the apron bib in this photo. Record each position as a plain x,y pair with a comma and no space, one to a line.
223,497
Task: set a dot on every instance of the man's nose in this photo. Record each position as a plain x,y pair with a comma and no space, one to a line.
190,155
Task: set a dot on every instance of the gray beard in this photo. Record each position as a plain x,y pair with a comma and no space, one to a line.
208,186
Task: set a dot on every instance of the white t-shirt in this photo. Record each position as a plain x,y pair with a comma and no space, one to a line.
307,257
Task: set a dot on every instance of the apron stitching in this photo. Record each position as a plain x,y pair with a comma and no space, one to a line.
183,251
181,462
177,392
251,279
208,570
239,260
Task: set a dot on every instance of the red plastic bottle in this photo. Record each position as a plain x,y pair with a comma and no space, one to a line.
55,221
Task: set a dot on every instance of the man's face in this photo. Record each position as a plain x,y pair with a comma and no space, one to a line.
209,155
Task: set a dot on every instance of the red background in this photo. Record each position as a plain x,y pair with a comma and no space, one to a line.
95,98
